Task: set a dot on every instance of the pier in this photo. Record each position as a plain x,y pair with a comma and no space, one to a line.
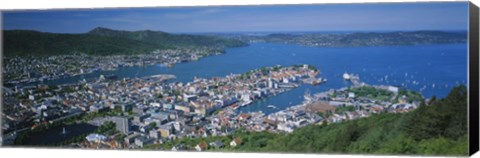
355,79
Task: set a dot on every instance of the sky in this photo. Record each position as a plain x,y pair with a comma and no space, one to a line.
265,18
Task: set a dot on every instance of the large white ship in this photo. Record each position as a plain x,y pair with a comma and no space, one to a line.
246,103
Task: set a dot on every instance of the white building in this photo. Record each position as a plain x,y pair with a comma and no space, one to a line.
287,127
96,137
351,95
392,89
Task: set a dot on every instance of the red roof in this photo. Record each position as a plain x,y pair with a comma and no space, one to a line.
237,140
203,145
244,116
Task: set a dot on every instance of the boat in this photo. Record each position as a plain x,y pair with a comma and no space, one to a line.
246,103
346,76
287,85
307,96
319,81
271,106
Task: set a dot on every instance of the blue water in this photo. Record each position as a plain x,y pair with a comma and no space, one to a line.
442,65
55,135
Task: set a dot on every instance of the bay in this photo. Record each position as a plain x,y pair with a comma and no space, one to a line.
436,68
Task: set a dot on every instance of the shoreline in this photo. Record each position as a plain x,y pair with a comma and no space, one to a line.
117,66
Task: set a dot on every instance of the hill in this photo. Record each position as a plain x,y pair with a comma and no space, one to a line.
439,128
436,128
104,41
363,38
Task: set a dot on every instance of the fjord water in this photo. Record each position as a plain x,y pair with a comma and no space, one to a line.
436,68
56,135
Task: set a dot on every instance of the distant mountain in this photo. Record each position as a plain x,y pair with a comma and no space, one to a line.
362,38
163,38
104,41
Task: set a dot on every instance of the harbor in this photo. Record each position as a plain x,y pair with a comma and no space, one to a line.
429,81
187,85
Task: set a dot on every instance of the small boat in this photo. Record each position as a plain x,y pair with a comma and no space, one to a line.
271,106
319,81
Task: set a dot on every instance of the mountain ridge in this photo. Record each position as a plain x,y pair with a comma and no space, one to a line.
104,41
363,38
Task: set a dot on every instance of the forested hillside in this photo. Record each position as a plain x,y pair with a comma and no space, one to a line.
103,41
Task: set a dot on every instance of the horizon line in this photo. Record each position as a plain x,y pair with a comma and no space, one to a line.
276,31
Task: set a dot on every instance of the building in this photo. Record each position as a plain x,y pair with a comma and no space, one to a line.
184,108
122,124
136,110
154,134
287,127
126,107
141,141
189,98
140,117
179,147
392,89
96,138
351,95
131,138
165,130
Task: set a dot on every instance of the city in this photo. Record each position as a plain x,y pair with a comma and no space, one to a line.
37,69
149,111
339,78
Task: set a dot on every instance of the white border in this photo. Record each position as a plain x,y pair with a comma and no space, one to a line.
76,4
